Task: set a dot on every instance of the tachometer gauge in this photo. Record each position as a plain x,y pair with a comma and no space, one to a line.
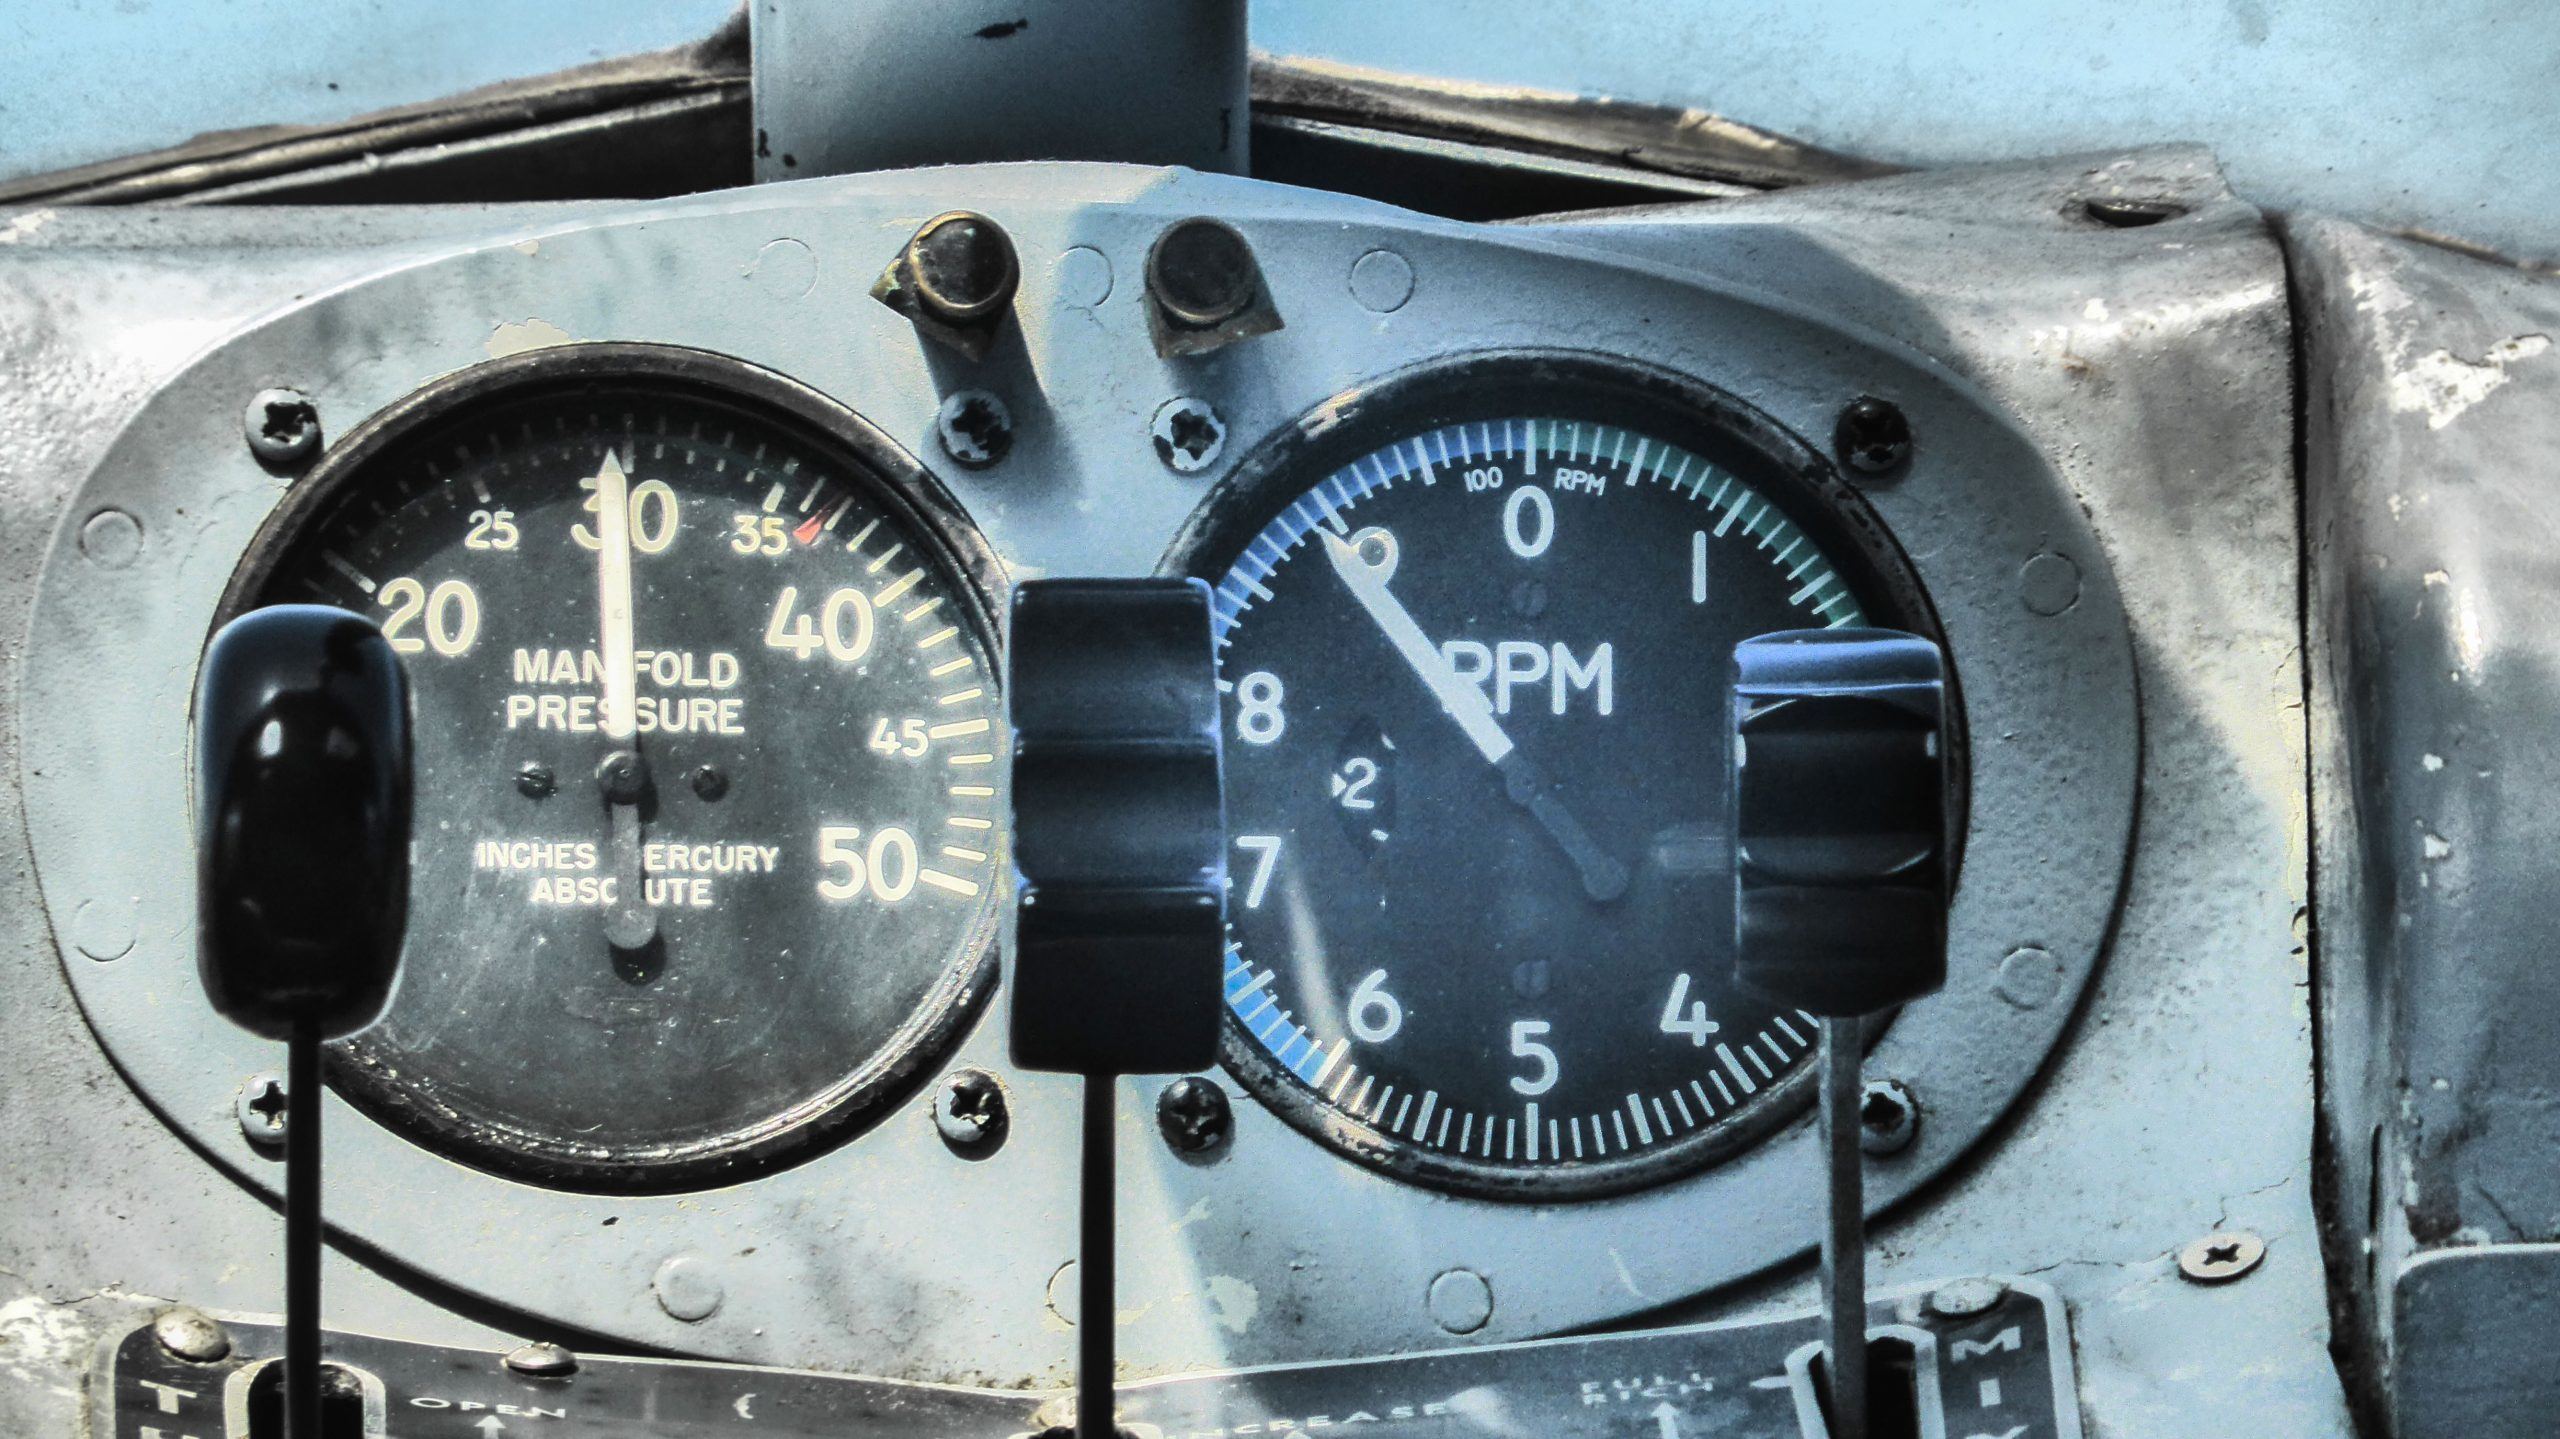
707,760
1474,633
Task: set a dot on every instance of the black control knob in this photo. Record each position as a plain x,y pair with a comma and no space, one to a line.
1842,856
302,821
1119,827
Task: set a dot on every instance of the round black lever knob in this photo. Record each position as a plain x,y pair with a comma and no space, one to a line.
1842,855
302,821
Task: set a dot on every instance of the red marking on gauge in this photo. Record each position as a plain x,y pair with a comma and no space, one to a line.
807,534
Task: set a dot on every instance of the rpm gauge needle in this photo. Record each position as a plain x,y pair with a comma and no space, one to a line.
1603,877
630,922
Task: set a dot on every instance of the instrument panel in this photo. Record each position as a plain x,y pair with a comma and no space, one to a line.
693,548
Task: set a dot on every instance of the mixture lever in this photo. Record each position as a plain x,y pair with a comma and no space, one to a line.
1843,867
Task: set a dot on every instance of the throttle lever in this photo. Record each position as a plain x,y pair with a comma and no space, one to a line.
302,853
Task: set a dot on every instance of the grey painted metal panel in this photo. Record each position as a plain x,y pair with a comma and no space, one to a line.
2434,415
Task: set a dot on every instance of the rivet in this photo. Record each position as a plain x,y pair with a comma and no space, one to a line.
111,539
1460,1301
2029,977
105,929
1382,280
688,1289
1083,277
2048,583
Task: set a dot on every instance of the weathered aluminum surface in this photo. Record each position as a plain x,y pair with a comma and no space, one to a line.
2433,423
2004,1369
2155,364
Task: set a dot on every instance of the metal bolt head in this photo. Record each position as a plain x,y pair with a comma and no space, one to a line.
1872,437
192,1335
282,427
969,1113
261,1109
2222,1256
961,267
1460,1301
1888,1117
1202,273
536,781
1194,1116
710,782
1966,1298
542,1361
975,428
1188,435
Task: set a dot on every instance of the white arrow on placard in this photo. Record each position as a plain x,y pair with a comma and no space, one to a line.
491,1426
1668,1418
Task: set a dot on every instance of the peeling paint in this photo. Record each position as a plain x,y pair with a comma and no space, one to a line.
20,227
40,1342
516,337
1236,1302
2441,385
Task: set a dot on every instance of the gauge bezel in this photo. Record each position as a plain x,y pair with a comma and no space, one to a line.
889,476
1789,472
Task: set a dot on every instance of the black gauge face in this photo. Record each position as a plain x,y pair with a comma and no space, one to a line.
1475,660
706,762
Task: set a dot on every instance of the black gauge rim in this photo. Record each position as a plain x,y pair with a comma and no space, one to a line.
889,475
1789,471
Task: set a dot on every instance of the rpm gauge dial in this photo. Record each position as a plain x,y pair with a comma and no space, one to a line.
1474,645
706,760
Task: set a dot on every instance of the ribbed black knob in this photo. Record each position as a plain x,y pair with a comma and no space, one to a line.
1842,856
1119,827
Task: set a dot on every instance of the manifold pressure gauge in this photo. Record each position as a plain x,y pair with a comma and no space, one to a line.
1473,633
706,744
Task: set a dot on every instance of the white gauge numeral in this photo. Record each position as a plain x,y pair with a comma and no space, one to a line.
1525,1045
1375,1015
452,611
1683,1015
1258,717
492,530
1529,522
843,626
654,516
1351,783
754,534
1265,848
909,740
885,869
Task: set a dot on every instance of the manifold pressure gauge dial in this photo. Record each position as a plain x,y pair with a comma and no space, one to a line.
707,760
1474,642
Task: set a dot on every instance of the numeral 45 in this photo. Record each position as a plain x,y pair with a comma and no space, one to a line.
907,741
